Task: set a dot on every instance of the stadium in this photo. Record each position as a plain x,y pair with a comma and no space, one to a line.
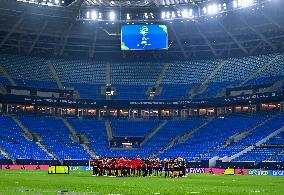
141,97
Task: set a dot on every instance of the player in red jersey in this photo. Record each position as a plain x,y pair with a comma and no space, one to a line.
138,162
128,166
133,168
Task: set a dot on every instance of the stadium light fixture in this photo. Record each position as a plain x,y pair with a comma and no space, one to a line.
94,15
112,15
184,13
163,15
88,15
168,15
56,2
173,14
212,9
128,16
247,3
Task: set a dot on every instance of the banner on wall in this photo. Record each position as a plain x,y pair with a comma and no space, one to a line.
24,167
229,172
258,172
216,171
87,168
195,170
276,172
75,168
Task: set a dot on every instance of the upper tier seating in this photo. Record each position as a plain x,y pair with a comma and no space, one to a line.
13,142
238,69
26,70
189,71
55,136
133,79
275,70
135,73
125,128
80,71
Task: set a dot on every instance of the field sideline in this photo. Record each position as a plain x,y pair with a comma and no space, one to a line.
39,182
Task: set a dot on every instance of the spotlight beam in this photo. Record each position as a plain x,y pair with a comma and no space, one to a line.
66,38
233,38
206,40
38,36
259,34
178,41
15,26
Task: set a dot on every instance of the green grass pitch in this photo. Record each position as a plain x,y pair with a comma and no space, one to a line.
39,182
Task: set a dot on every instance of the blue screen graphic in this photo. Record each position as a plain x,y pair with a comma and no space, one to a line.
144,37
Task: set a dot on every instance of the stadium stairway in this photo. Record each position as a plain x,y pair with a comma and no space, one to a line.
7,75
254,74
276,85
108,130
29,136
271,158
235,138
160,77
7,155
152,133
74,136
183,138
72,130
248,149
202,87
54,74
108,79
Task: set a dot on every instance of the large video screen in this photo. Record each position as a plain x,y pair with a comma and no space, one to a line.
144,37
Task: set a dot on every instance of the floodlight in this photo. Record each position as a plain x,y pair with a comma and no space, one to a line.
88,15
112,16
128,16
246,3
184,13
168,15
163,15
212,9
94,15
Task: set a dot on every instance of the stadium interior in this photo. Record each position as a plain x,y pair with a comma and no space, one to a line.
215,96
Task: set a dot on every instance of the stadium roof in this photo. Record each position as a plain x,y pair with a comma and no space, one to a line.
140,3
42,30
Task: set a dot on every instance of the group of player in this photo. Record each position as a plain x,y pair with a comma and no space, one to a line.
127,167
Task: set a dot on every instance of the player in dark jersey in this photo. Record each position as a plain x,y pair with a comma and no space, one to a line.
95,164
167,167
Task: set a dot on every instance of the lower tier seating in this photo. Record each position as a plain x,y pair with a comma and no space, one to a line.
14,143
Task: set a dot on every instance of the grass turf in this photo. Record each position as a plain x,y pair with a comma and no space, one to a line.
39,182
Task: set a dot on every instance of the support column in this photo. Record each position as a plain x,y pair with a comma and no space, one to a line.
4,108
281,106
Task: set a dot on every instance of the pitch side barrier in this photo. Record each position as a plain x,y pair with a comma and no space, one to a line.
213,171
229,171
87,103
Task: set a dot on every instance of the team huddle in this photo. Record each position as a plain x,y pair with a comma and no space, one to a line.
122,167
